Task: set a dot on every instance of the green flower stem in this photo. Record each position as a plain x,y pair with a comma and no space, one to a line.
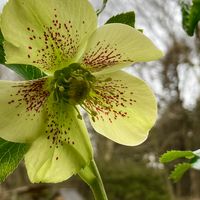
91,176
102,8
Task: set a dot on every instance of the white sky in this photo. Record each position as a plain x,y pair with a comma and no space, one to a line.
2,2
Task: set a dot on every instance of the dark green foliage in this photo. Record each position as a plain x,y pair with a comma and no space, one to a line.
130,183
28,72
124,18
191,16
10,156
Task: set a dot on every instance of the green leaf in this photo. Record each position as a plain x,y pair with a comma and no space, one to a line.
124,18
28,72
191,16
10,156
181,168
174,154
2,54
179,171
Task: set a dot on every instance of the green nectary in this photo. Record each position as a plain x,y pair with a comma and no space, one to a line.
72,84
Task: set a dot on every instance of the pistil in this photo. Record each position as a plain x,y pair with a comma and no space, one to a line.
72,84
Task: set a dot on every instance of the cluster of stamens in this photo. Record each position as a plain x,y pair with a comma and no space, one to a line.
98,97
72,84
111,99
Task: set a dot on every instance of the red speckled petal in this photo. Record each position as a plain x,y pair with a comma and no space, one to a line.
22,116
48,34
62,150
125,106
114,46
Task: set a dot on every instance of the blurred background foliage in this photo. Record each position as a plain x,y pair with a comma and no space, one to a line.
134,173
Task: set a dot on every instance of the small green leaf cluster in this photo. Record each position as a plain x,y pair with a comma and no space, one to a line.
193,158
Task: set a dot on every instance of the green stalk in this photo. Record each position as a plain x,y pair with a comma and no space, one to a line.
102,8
91,176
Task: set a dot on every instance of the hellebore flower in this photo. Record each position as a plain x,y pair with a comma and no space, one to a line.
82,64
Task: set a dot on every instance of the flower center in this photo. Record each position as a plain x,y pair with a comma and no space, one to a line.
72,84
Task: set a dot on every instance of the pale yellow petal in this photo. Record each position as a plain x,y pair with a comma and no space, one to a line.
115,46
48,34
22,116
62,150
126,108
